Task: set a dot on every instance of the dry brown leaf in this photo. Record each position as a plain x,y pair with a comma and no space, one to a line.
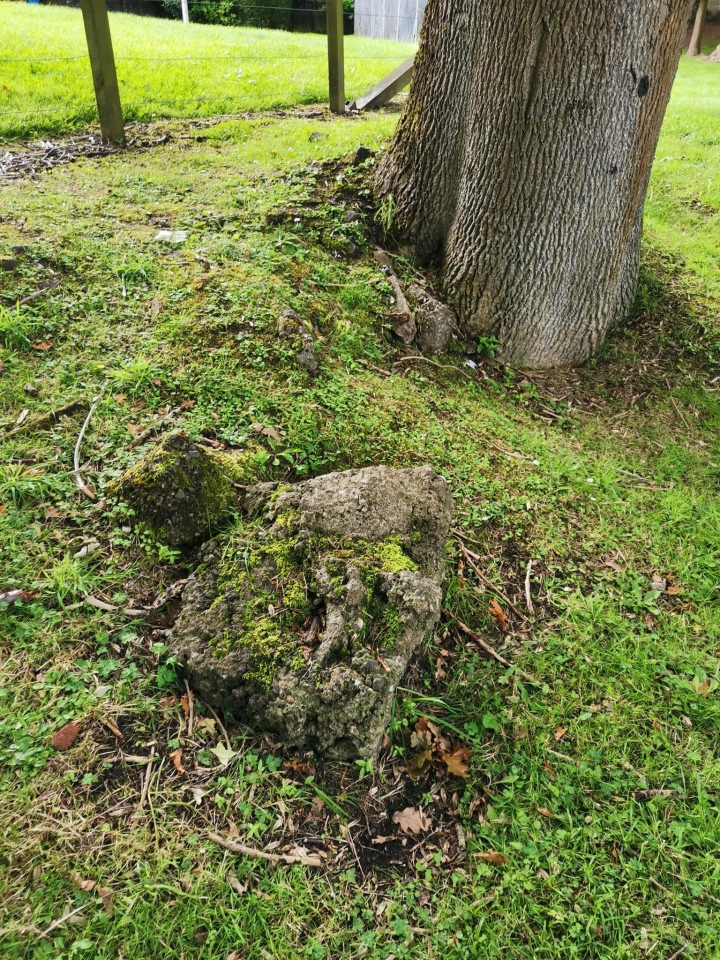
3,509
167,702
185,704
543,811
549,771
411,820
43,345
107,894
656,725
134,428
379,841
299,767
492,856
560,733
498,615
120,398
66,736
176,757
673,590
265,431
455,762
85,885
419,765
52,513
238,887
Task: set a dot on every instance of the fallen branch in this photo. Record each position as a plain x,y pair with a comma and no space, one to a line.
47,419
434,363
39,293
76,458
528,593
65,917
285,858
479,640
470,557
142,437
111,608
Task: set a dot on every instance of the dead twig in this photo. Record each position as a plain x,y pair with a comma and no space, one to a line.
491,651
471,557
142,437
528,594
285,858
76,456
65,917
434,363
146,781
191,709
39,293
46,419
220,724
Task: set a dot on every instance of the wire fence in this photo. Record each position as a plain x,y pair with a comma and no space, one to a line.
54,93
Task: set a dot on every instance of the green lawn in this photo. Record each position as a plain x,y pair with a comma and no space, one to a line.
165,69
597,780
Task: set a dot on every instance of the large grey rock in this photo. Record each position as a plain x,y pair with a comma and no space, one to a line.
303,620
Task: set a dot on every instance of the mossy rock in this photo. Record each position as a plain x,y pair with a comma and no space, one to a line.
302,620
182,492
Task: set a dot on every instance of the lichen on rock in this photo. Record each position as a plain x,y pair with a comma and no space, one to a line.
302,620
182,491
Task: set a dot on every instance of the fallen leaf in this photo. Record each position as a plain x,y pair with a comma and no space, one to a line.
265,431
546,813
549,771
155,307
66,736
206,725
85,885
411,820
223,754
198,794
298,767
22,417
167,702
43,345
492,856
656,725
560,733
176,757
185,704
419,765
379,841
498,615
455,762
107,895
3,509
52,513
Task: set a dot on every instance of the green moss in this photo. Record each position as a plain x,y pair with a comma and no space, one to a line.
181,491
276,605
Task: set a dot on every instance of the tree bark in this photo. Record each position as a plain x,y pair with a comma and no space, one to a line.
696,40
522,159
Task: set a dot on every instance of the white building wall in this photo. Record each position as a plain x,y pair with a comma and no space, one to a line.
389,19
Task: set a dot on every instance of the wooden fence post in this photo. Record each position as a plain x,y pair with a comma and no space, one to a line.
102,61
336,55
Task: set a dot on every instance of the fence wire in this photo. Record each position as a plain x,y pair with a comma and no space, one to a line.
77,111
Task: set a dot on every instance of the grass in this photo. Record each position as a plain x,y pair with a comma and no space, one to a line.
165,69
606,478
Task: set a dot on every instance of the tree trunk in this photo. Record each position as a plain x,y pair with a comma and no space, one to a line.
696,39
522,160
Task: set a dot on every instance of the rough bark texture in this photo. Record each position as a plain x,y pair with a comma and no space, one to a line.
697,34
522,161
